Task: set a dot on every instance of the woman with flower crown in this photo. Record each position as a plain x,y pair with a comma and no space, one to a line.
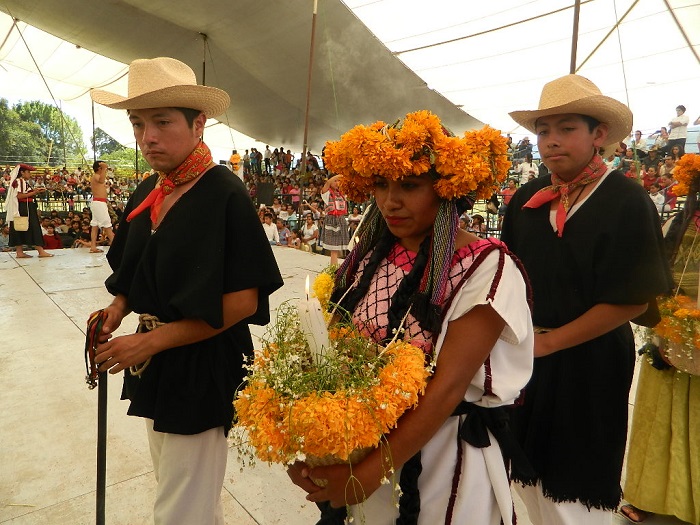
414,274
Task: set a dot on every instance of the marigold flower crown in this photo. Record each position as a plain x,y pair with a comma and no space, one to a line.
687,174
474,164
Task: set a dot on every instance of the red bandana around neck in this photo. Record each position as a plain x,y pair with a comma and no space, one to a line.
191,168
559,188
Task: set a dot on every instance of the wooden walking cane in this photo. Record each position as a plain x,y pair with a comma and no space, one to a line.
96,378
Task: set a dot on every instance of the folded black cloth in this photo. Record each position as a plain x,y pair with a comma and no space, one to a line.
473,430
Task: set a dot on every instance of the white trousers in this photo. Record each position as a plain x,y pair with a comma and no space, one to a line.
544,511
190,474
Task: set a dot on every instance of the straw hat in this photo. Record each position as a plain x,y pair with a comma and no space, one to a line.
162,83
577,94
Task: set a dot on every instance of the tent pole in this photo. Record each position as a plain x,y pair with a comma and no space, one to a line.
308,90
204,58
204,65
63,134
683,33
574,37
612,30
94,153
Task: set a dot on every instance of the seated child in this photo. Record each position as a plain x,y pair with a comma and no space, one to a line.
52,241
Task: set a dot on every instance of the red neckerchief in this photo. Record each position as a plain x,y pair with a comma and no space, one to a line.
192,167
559,188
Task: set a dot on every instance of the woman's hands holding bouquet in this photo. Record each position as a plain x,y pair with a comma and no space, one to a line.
346,484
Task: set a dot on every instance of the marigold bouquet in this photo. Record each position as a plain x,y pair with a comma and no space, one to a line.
680,329
687,174
294,407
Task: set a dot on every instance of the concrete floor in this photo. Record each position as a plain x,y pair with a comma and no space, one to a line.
48,418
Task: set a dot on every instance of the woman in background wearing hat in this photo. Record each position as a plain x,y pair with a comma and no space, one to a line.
463,300
20,201
595,260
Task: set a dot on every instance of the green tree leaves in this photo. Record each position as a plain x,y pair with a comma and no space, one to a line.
103,143
19,141
39,133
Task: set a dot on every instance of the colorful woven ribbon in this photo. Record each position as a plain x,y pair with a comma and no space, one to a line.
94,327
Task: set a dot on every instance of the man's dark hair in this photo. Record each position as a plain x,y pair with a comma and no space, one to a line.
96,165
190,114
591,121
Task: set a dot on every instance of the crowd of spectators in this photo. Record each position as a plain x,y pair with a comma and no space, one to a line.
651,160
71,187
294,217
65,229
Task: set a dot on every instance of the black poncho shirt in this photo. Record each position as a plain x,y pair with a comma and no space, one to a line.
210,243
573,423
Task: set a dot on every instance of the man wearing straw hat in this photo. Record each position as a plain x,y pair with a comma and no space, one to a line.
191,258
591,243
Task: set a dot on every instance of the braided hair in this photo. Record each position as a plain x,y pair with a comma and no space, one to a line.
422,289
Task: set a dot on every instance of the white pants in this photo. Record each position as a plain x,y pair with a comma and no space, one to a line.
190,474
544,511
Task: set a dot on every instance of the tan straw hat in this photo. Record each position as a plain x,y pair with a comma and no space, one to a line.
577,94
164,83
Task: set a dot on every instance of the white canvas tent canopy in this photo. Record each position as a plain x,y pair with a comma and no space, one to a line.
64,76
469,62
494,57
257,51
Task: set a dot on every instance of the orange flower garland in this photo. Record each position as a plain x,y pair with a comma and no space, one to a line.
283,429
680,327
476,163
686,173
293,407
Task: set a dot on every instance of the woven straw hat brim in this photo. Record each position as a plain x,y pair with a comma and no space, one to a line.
576,94
615,114
209,100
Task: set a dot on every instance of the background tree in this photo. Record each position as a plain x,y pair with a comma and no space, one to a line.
61,133
103,143
124,162
20,141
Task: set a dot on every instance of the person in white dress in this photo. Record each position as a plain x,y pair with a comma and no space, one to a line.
464,302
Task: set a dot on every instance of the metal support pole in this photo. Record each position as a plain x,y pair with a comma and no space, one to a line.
574,37
308,90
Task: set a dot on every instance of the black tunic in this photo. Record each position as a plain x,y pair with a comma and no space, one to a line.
210,243
573,423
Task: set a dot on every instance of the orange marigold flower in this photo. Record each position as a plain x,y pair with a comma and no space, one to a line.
324,423
476,162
